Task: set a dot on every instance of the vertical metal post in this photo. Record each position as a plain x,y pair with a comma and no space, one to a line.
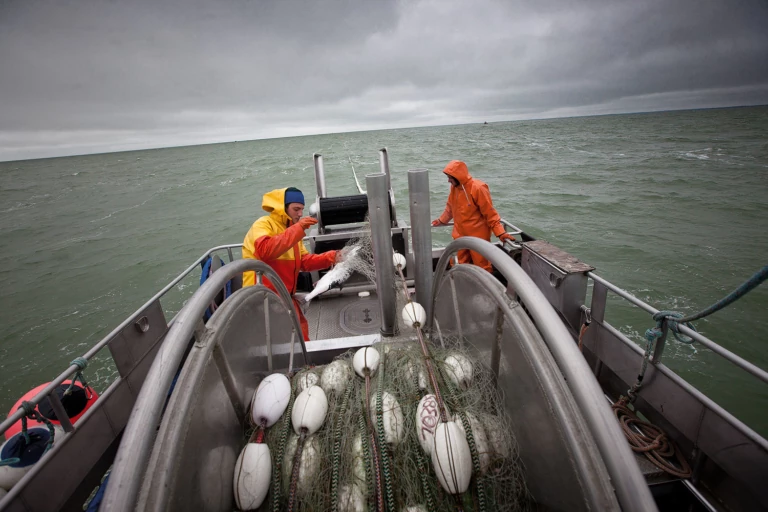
421,233
381,239
597,309
384,165
61,414
319,175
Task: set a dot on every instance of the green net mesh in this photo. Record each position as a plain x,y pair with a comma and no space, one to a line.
337,470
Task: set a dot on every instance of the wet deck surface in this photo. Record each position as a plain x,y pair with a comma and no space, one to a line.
343,316
346,315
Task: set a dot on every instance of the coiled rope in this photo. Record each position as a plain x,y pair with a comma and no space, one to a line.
650,440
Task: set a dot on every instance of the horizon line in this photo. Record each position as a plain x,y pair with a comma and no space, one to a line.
645,112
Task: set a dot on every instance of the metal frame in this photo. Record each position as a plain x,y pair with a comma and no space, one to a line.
421,235
381,234
714,347
631,488
725,451
577,449
48,391
138,436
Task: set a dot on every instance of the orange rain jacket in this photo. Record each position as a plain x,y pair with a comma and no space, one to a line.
471,208
276,240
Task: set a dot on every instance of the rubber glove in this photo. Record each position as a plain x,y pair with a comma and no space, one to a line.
506,237
306,222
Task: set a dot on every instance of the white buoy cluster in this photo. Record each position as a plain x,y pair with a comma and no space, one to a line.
375,443
253,469
442,437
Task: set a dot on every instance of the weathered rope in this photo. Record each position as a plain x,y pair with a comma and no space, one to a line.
651,441
674,320
367,457
372,440
296,468
82,364
32,412
423,466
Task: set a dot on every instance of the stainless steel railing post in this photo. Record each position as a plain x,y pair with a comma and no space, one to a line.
381,238
421,236
319,176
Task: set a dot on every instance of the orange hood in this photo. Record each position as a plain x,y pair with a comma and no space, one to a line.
458,169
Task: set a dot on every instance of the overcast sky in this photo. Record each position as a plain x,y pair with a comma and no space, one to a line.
84,76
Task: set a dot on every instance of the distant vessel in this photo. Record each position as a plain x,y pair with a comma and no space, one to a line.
171,425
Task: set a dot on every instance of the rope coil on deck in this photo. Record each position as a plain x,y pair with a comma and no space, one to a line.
650,440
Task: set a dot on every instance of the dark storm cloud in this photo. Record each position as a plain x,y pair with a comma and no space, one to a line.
95,76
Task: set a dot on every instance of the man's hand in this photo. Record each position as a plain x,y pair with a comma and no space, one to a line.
337,257
306,222
506,237
436,223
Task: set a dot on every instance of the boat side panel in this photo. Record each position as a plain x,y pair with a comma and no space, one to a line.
691,420
562,466
194,455
130,346
68,470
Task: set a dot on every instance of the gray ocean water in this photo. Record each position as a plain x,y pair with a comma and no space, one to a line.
671,206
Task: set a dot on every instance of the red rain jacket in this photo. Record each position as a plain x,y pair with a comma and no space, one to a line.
277,241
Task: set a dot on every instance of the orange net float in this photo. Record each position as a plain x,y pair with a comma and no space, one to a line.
75,405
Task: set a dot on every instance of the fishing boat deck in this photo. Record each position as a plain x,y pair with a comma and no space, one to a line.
345,315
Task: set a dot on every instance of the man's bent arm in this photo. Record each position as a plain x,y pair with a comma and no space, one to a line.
492,217
447,215
311,262
272,247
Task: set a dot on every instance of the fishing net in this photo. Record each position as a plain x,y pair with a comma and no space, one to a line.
339,466
367,455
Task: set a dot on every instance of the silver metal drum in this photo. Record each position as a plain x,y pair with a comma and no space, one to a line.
194,456
571,448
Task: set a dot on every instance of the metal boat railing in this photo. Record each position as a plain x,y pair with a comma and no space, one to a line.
700,338
706,342
515,230
599,295
49,390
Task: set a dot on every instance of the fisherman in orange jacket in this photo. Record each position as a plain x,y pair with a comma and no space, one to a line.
276,239
471,208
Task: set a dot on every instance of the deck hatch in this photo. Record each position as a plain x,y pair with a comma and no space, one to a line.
361,317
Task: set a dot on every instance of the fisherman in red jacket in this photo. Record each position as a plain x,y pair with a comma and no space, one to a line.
471,208
276,239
